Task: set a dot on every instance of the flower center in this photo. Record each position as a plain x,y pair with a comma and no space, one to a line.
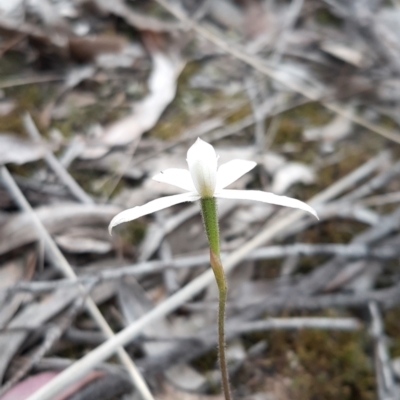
204,179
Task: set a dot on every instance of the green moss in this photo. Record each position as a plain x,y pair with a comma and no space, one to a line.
12,63
32,97
191,106
324,17
26,170
310,114
387,122
28,98
132,233
333,231
293,122
136,232
206,361
392,328
81,118
176,117
239,114
320,364
267,269
289,131
170,127
307,263
353,157
11,122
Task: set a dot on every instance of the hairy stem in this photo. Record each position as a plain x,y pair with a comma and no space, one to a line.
210,218
222,287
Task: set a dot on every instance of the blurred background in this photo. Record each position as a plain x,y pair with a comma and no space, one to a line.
98,96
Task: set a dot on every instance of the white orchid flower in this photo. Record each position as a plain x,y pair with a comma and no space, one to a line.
205,180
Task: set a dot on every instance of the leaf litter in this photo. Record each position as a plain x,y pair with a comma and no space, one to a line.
134,85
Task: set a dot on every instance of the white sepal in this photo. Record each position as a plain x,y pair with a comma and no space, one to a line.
202,161
231,171
177,177
265,197
152,206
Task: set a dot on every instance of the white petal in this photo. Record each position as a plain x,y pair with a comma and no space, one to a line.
202,161
152,206
232,171
177,177
265,197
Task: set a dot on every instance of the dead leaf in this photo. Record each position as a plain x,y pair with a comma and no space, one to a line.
104,291
290,174
10,274
33,315
170,393
80,99
121,59
298,75
261,23
389,90
134,18
57,218
243,217
226,13
87,48
134,303
272,162
345,53
6,107
49,15
14,149
30,385
74,77
59,41
337,129
12,9
387,28
185,377
162,89
85,240
71,103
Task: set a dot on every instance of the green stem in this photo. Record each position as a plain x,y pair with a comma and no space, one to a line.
210,219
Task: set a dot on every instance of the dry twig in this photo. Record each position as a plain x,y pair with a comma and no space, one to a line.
62,264
273,73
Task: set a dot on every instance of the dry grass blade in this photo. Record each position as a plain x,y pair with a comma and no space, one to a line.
54,164
384,374
29,81
297,323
